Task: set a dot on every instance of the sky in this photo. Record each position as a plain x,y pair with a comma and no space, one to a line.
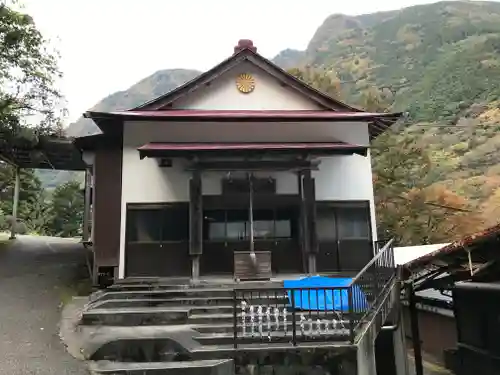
108,45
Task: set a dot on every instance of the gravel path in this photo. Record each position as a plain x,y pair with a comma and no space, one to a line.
35,272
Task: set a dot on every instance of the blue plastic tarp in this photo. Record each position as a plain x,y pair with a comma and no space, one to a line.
327,299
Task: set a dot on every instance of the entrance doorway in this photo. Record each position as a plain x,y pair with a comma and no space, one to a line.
157,240
275,229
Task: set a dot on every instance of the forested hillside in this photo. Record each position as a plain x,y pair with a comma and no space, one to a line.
437,173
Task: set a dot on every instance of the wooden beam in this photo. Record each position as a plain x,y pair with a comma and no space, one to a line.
310,203
415,331
304,230
286,165
195,223
86,208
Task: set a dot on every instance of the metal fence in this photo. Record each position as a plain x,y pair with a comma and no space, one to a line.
307,314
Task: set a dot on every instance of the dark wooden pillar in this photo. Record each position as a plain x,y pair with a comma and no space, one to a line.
195,223
310,204
415,331
303,221
86,207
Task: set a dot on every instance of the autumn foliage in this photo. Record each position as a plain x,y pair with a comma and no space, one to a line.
412,204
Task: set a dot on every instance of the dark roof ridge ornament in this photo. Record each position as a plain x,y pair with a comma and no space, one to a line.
245,44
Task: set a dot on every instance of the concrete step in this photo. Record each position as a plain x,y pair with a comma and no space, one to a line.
181,301
186,302
201,367
270,337
254,350
207,318
227,328
135,316
162,294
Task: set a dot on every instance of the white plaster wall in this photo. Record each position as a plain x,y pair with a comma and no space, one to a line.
268,94
346,178
339,177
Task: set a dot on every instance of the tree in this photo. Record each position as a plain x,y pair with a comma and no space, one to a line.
28,71
409,206
323,80
66,210
31,197
435,214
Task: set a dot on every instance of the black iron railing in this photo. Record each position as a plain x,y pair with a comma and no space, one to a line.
375,280
316,313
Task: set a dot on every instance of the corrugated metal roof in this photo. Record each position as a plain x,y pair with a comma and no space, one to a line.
405,254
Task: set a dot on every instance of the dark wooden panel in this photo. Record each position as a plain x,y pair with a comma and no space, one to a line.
474,361
244,268
354,254
217,258
107,206
242,186
327,257
286,256
155,259
384,352
211,202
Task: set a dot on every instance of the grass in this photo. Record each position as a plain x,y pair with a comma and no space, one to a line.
80,288
4,240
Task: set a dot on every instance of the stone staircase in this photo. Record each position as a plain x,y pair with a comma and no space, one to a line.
207,367
178,328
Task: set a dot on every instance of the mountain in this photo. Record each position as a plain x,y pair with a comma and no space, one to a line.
438,59
151,87
439,62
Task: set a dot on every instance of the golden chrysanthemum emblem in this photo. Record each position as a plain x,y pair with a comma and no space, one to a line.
245,83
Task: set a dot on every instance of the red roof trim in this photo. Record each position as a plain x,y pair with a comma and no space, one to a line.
208,115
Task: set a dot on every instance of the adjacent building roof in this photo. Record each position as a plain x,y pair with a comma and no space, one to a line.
57,153
472,257
156,149
406,254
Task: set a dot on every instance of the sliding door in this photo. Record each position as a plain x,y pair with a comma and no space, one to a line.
157,240
344,236
227,230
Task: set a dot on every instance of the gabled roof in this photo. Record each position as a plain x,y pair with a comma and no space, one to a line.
157,109
245,51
